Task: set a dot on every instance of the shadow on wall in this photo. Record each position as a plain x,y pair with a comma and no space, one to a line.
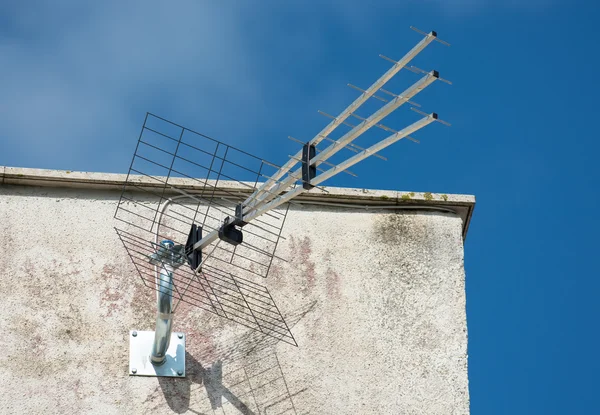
178,391
253,342
256,387
253,383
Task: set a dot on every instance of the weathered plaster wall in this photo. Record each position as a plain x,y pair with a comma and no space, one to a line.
375,299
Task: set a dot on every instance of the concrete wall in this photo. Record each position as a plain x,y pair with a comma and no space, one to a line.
375,300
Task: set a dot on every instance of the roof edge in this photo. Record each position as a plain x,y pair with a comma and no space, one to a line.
462,204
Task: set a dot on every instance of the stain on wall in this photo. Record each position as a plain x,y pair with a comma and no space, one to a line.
374,299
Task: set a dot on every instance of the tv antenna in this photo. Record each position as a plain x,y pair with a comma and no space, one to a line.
202,219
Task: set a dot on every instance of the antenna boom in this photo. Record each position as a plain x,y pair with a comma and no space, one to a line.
348,137
430,37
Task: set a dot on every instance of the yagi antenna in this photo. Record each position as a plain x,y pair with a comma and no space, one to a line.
263,199
201,219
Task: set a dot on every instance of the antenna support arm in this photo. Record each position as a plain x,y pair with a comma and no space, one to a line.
164,315
167,258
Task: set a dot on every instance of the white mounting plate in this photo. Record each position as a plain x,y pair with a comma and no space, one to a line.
140,347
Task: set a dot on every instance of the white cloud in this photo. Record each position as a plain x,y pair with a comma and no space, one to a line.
80,79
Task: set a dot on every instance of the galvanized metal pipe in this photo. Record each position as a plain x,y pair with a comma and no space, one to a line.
167,258
164,315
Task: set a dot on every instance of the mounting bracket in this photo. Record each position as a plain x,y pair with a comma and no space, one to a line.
194,257
140,347
160,352
239,216
308,172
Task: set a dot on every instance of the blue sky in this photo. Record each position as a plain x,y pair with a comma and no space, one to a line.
76,81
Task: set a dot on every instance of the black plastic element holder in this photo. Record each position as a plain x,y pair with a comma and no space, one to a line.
194,256
229,233
308,172
239,215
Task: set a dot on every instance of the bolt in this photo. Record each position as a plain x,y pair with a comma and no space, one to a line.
134,333
180,372
134,370
180,335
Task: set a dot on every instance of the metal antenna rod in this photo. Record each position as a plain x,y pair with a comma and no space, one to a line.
350,136
430,37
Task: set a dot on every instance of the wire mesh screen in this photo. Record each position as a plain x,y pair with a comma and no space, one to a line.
179,177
